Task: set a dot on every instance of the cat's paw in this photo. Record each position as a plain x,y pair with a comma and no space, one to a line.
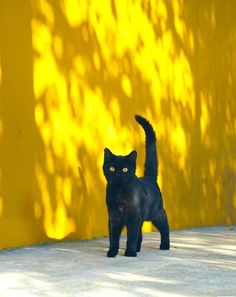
130,253
112,253
138,247
165,246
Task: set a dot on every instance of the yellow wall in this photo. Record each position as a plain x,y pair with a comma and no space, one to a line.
73,74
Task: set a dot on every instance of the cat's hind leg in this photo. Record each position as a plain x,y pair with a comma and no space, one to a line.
140,239
161,223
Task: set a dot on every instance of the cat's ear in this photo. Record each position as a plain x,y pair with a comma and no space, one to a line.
132,156
107,154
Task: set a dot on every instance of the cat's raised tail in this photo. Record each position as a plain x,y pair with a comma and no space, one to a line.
151,162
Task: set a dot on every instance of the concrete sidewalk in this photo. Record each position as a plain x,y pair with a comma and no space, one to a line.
201,262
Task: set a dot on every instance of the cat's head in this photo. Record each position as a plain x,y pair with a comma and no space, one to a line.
119,169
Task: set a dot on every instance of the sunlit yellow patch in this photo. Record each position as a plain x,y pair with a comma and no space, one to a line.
56,221
159,13
147,227
48,11
75,11
126,85
212,169
115,108
96,61
204,117
39,114
178,20
58,46
80,67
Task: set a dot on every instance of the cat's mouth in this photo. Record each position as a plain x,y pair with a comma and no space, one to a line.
119,180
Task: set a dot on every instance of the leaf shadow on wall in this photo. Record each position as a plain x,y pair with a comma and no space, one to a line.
88,76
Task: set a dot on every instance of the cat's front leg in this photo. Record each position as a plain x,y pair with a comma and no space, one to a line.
115,229
133,233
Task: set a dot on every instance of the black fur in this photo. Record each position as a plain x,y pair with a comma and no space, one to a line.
132,200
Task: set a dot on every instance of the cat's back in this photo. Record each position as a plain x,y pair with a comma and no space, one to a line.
150,196
149,185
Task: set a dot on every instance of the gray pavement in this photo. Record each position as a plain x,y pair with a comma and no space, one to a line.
201,262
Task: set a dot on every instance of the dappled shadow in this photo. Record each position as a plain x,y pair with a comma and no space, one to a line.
87,70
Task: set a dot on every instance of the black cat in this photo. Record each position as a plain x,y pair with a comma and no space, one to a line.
132,200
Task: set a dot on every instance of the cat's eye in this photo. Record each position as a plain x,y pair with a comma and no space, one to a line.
125,169
112,169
